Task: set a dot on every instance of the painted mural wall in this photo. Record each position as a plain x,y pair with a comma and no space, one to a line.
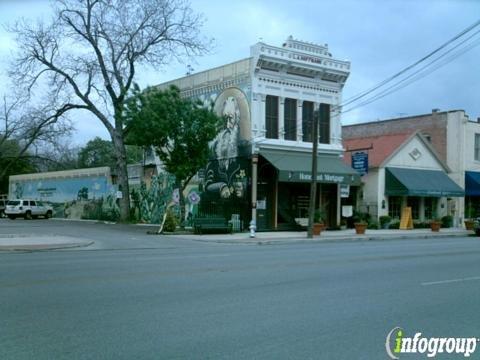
79,197
225,181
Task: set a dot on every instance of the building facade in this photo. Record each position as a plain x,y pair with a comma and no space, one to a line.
404,170
260,165
454,138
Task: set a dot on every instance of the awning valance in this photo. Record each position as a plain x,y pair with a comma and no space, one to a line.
472,183
419,182
297,167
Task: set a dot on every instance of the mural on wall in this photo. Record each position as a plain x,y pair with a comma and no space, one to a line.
150,203
224,175
88,197
225,180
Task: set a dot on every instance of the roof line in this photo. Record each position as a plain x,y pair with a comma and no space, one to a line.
402,118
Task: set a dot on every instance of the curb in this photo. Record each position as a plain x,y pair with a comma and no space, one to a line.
43,247
343,239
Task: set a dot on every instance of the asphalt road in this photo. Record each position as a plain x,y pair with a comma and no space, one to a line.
137,296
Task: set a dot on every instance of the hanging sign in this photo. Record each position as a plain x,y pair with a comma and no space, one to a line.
360,162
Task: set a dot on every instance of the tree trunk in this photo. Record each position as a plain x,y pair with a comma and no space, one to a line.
181,203
122,174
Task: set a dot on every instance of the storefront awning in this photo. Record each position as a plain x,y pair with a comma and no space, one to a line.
472,183
418,182
297,167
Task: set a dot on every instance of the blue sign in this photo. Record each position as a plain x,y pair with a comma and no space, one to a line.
360,162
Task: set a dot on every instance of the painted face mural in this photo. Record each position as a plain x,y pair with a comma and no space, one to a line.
225,175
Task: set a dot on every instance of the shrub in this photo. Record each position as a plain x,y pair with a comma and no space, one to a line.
420,225
447,221
394,225
384,221
373,225
170,222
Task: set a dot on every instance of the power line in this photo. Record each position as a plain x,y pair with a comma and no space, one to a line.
368,91
420,73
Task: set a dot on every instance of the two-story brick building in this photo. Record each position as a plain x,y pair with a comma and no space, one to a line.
260,165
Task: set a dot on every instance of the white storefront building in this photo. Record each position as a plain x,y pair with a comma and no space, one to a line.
261,162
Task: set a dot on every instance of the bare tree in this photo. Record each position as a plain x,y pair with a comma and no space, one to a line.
24,127
90,52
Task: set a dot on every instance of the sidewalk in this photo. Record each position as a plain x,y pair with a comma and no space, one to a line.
39,242
291,237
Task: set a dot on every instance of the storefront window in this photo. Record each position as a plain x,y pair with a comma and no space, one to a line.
307,121
394,207
290,119
430,208
271,117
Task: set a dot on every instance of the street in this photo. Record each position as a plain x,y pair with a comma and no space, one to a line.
138,296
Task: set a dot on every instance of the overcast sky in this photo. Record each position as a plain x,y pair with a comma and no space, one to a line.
378,37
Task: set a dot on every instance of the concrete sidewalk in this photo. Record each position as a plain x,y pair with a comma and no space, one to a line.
31,242
280,237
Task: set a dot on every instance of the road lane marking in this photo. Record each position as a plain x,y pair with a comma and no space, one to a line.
474,278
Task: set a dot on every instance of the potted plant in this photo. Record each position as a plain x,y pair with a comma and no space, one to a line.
361,222
469,223
318,224
435,225
343,224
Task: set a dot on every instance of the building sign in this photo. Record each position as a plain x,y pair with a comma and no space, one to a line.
360,162
301,176
347,210
262,204
344,191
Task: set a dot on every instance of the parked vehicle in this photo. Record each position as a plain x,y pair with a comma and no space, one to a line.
28,209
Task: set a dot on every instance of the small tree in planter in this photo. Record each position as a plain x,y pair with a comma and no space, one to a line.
360,222
318,222
435,225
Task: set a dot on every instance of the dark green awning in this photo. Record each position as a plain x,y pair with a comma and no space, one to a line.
417,182
297,167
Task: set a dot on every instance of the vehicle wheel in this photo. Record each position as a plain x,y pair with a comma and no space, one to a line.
477,231
28,215
11,217
48,215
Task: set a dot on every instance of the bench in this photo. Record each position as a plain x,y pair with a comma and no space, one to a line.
213,224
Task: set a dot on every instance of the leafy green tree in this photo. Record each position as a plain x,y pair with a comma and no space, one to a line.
179,129
99,152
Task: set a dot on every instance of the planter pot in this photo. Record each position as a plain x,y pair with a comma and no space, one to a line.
360,228
469,224
317,228
435,226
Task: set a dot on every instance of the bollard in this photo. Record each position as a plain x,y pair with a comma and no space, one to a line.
252,228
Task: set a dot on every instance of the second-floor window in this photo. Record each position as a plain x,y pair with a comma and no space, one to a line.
271,116
324,122
307,121
477,147
290,119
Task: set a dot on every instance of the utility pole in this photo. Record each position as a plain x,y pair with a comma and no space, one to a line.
313,184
